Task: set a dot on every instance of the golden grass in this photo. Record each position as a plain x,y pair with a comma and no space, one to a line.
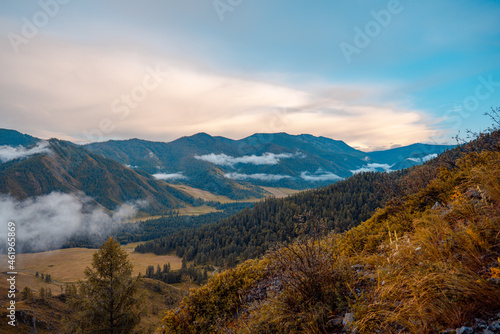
67,265
196,210
438,276
140,219
281,192
278,192
208,196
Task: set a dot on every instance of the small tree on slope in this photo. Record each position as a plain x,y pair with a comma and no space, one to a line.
106,302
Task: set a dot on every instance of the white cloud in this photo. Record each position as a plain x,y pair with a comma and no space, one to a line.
48,221
258,176
226,160
320,175
63,89
8,153
373,167
429,157
424,159
172,176
386,167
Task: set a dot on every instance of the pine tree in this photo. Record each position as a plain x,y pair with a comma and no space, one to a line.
106,302
158,271
43,293
150,271
27,293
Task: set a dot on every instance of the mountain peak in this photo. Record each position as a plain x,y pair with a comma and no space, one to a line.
16,138
200,135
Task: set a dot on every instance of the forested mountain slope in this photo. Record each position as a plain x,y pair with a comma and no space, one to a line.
251,232
341,206
64,167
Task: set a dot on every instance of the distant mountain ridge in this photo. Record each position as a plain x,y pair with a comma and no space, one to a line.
407,156
119,170
15,138
217,164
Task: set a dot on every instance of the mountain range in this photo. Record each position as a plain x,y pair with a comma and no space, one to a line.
117,171
222,166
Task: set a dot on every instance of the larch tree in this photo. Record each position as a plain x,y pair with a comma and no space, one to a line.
106,301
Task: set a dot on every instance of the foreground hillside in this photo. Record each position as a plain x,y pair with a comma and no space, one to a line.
46,312
426,262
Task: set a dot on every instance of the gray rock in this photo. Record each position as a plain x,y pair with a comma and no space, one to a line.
348,319
495,326
465,330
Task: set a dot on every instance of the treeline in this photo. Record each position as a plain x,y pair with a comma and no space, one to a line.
167,225
251,232
46,277
184,274
159,227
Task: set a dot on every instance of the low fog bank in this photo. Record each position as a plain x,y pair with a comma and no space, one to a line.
226,160
8,153
48,222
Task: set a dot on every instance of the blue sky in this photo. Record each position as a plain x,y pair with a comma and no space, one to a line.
420,71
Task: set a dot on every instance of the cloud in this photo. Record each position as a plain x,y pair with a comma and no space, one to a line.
320,175
48,221
8,153
258,176
424,159
172,176
77,92
373,167
226,160
429,157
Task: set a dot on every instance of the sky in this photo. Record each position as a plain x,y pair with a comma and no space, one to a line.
376,74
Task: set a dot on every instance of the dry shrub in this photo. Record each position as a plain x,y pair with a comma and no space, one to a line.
314,281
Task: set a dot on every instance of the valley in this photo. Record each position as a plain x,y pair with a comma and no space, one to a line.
249,167
67,265
210,237
209,197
